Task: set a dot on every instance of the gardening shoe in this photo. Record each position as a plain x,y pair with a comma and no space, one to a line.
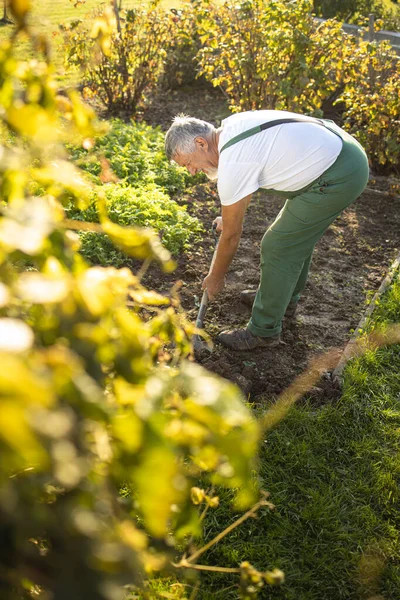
248,297
243,339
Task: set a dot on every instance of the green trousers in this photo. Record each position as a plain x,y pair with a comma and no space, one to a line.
288,244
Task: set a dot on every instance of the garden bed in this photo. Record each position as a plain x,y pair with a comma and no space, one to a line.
349,263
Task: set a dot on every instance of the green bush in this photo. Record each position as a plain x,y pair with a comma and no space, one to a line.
357,11
180,65
273,55
119,70
90,400
135,152
372,107
146,206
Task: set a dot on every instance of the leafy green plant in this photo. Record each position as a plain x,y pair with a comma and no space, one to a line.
135,153
372,108
120,69
92,394
180,66
146,206
272,55
356,11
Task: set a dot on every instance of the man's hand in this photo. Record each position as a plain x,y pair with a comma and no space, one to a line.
232,217
218,221
213,285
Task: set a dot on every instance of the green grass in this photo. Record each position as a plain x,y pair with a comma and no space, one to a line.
45,18
334,475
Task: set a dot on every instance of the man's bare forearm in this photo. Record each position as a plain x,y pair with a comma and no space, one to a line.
226,251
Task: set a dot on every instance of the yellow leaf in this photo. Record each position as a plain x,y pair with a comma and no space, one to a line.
15,336
128,428
17,434
33,121
140,243
41,289
20,9
100,288
157,494
27,224
66,175
275,577
132,536
4,295
19,382
197,495
127,393
143,296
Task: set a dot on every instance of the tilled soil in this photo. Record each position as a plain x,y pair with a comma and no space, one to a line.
348,265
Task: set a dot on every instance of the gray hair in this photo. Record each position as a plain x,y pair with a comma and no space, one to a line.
182,133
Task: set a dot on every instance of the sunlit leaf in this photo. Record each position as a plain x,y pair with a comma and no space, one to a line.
66,175
20,9
126,393
26,225
165,479
132,536
15,335
143,296
17,434
4,295
33,121
140,243
100,288
41,289
20,383
128,428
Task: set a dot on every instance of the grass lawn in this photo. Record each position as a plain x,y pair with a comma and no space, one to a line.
334,475
46,15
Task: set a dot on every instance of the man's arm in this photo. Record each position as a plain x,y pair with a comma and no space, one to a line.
232,224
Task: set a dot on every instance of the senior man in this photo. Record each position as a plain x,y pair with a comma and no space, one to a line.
319,168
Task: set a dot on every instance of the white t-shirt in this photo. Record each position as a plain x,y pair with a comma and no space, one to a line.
285,157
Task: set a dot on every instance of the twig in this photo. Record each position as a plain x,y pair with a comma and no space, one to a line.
82,225
220,536
194,591
185,563
380,192
143,269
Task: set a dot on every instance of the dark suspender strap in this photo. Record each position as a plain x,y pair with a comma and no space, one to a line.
264,126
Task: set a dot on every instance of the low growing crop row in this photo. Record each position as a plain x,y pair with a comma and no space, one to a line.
144,206
139,187
135,153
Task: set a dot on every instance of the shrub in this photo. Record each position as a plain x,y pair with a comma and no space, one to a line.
180,67
273,55
146,206
356,11
89,399
121,71
372,108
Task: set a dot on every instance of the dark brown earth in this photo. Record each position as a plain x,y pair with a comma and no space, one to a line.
349,263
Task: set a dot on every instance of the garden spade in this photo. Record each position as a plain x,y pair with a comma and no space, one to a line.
200,347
